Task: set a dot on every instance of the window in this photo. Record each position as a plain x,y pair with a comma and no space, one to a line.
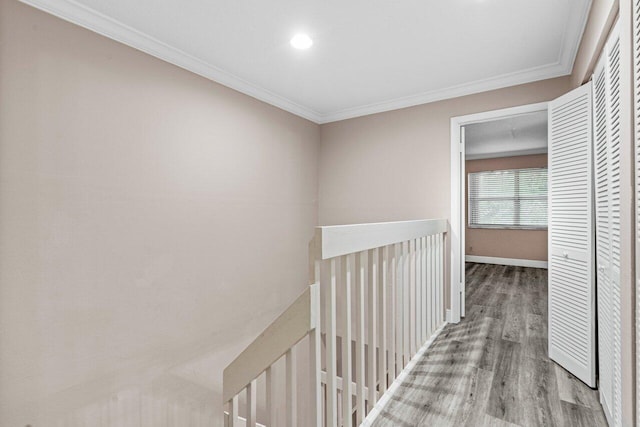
515,198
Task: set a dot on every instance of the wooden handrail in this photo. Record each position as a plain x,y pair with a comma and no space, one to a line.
285,332
332,241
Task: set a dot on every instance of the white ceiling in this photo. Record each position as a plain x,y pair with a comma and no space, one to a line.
368,55
512,136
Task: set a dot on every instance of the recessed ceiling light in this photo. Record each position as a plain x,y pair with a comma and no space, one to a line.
301,41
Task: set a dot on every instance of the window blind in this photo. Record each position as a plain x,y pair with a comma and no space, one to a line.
513,198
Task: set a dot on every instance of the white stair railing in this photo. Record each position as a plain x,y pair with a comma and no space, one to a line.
278,339
377,296
381,289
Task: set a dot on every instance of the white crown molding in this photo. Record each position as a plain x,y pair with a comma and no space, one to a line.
83,16
572,36
493,83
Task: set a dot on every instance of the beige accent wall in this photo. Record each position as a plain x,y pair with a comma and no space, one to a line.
504,243
151,223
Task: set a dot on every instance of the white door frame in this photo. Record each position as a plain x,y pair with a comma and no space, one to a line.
458,183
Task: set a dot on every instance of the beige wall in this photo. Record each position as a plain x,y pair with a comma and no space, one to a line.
151,223
520,244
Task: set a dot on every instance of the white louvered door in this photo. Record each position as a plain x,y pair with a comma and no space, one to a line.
603,240
613,71
572,338
607,142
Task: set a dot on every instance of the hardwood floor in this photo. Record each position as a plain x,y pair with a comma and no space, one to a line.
492,368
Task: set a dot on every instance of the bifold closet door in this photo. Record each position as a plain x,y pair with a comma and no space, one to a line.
572,328
606,101
603,238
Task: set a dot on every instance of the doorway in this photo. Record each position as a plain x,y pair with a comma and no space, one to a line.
497,122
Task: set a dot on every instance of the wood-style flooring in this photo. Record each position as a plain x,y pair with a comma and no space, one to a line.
492,368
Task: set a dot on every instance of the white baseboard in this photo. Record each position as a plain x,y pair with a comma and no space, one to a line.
506,261
384,399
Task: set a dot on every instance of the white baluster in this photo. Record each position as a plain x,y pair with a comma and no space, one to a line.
251,404
383,286
331,356
339,407
423,286
290,388
412,297
315,359
372,326
406,311
361,282
418,318
399,310
347,390
430,294
233,412
315,382
392,313
441,275
436,269
269,397
434,273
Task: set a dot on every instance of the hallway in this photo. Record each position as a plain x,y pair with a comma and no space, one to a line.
492,368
